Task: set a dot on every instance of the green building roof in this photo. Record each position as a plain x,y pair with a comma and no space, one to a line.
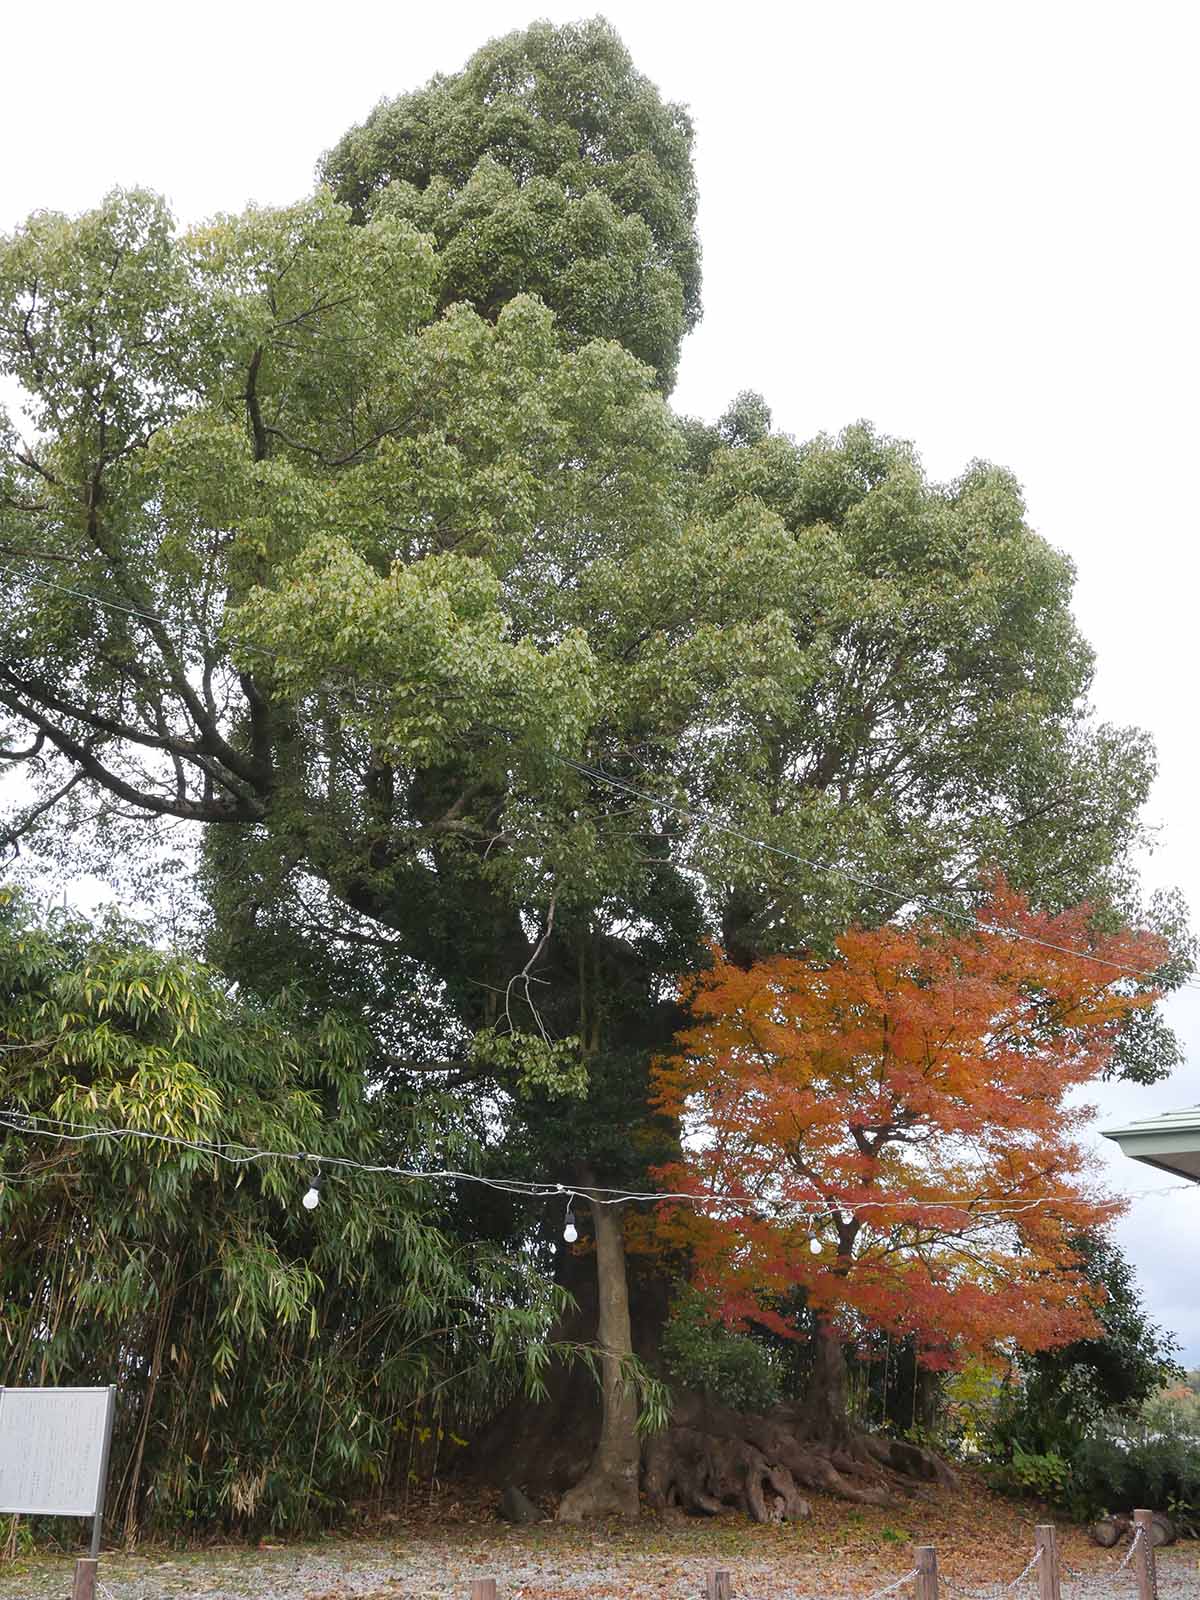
1170,1142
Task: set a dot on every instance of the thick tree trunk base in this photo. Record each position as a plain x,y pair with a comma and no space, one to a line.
713,1459
601,1493
546,1447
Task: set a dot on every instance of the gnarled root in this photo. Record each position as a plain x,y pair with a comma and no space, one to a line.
703,1473
712,1459
909,1460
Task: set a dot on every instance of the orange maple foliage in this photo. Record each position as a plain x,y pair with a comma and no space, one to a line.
909,1104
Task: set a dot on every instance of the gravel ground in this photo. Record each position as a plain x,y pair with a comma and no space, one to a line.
551,1564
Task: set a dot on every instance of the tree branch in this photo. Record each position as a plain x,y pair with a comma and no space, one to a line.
243,809
35,749
12,836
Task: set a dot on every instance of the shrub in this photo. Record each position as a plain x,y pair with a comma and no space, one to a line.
273,1363
1114,1468
1046,1475
1122,1468
699,1352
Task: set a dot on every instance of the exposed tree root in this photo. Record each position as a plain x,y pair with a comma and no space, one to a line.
712,1459
700,1472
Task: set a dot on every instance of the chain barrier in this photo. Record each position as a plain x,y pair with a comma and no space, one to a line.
892,1587
879,1594
993,1591
1090,1579
997,1590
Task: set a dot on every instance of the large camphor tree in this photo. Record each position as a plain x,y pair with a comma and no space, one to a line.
548,166
358,537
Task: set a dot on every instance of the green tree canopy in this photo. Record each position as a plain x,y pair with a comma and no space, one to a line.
434,610
547,166
436,617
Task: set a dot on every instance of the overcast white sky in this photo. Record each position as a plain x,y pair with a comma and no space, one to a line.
971,222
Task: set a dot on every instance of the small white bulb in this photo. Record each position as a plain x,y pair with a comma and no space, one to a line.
312,1200
815,1246
570,1232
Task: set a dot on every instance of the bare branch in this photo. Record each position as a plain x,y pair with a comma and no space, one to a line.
35,749
524,976
243,808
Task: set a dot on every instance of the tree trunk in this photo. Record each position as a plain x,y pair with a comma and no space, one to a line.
930,1389
609,1487
825,1407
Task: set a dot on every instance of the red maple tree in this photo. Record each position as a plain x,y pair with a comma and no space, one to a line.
909,1105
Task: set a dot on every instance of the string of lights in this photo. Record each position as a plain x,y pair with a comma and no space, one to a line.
981,1207
701,817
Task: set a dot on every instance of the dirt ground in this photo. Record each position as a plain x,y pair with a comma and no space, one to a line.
982,1542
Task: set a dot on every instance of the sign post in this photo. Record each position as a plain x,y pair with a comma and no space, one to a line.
54,1446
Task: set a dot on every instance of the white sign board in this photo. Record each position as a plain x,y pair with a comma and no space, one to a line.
54,1450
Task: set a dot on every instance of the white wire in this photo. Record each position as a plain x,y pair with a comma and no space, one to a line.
708,819
979,1207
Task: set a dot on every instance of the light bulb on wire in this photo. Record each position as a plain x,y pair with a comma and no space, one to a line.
815,1245
570,1231
312,1195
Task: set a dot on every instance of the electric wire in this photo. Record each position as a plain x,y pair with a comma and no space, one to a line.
982,1207
829,869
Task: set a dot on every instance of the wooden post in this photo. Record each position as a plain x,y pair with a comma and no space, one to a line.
1143,1556
84,1587
718,1585
483,1589
927,1574
1049,1578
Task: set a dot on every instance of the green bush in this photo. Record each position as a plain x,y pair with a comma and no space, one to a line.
1111,1411
1046,1475
1115,1468
1116,1471
274,1365
699,1352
